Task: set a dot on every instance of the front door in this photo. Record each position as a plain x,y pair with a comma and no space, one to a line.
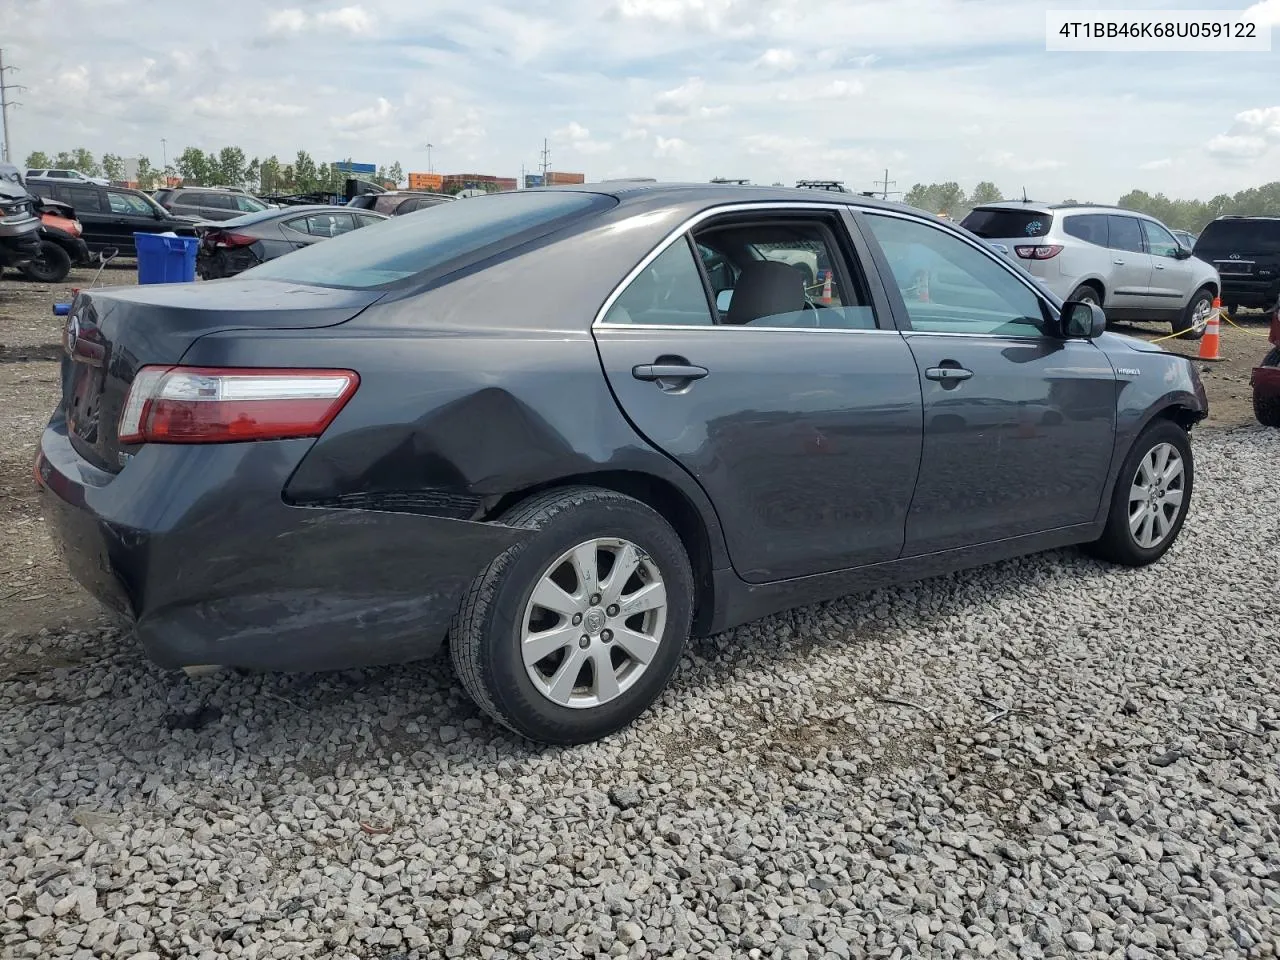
1172,280
793,408
1130,267
1018,424
131,214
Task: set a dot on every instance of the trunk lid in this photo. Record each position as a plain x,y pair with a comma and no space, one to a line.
111,333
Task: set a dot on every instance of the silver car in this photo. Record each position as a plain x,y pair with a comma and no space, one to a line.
1129,263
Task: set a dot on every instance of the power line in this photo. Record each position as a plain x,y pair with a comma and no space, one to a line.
5,104
885,184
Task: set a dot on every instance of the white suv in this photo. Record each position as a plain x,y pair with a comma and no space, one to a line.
1129,263
71,176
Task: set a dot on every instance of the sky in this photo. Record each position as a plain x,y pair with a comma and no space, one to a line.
768,90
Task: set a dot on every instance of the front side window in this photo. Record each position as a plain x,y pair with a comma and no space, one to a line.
1160,242
1125,234
248,204
667,292
128,204
949,286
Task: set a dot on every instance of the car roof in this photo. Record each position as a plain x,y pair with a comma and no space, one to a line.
716,194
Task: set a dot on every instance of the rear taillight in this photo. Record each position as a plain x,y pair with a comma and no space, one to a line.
1038,251
220,238
226,405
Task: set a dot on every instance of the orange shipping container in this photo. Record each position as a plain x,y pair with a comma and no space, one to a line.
426,181
555,178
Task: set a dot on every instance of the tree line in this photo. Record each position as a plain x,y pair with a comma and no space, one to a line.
229,167
1264,201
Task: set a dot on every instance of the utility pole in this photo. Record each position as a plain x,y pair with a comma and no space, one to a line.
885,184
546,161
5,104
164,157
430,168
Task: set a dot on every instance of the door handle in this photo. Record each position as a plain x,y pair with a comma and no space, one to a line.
1159,266
668,371
945,375
1118,263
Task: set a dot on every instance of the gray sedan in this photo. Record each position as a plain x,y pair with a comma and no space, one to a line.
567,428
230,246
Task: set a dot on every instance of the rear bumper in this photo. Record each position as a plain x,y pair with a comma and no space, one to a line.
1260,294
196,547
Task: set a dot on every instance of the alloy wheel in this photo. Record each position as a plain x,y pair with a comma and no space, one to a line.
1156,495
594,623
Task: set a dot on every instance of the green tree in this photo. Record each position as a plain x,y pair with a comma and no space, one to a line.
395,174
305,172
78,159
985,192
253,173
193,166
381,175
38,160
231,166
146,175
113,166
269,178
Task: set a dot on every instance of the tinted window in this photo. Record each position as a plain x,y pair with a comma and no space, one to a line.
365,201
84,199
1089,227
668,291
127,203
990,223
408,206
454,234
1160,242
43,190
364,220
1246,237
950,286
1124,233
248,204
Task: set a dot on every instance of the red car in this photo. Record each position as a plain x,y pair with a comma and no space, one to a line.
1266,380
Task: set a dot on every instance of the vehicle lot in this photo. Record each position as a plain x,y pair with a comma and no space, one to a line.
1041,756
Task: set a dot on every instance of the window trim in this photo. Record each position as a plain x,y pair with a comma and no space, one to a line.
687,227
1049,310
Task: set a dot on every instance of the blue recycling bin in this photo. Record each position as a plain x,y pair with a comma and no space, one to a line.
166,257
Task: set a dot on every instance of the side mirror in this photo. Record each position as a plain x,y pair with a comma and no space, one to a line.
723,299
1182,253
1082,320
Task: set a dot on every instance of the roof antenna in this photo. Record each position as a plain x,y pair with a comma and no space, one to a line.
1024,195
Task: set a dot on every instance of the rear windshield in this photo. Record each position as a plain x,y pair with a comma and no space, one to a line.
996,224
408,246
1250,237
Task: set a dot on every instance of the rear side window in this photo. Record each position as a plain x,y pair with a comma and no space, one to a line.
1089,227
998,224
1124,233
668,292
1246,237
453,236
84,199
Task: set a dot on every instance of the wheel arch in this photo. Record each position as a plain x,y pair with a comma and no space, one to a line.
1092,280
659,495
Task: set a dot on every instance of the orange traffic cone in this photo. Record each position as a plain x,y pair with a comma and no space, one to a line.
826,289
1210,341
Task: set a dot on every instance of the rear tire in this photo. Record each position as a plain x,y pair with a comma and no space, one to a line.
1190,326
1122,541
1267,409
1088,293
492,637
52,266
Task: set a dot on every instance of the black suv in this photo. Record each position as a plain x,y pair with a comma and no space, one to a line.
1246,251
110,216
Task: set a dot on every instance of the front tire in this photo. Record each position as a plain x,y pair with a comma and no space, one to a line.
1151,497
571,635
1087,293
52,266
1190,326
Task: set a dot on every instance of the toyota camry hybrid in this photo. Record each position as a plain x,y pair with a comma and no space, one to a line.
564,429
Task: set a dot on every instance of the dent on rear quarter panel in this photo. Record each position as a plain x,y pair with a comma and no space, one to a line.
483,387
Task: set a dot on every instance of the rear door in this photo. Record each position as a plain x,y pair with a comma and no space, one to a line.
795,405
1018,424
1130,265
96,218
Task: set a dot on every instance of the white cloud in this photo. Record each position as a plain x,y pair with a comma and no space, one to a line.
1268,11
351,19
363,119
1020,164
1164,163
286,21
229,107
1236,148
292,21
575,132
672,148
684,13
777,58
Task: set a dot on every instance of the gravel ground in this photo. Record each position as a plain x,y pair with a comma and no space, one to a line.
1043,758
